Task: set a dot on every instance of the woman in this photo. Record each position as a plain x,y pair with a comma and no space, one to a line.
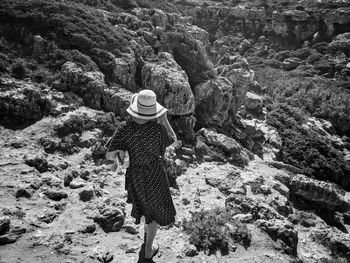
145,138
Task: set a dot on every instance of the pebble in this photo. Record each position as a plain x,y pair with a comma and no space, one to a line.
23,192
86,194
131,229
55,195
132,249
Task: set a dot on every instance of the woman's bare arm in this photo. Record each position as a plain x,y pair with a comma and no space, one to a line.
163,120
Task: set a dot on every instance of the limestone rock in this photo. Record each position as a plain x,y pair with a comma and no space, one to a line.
78,183
110,218
117,100
118,70
227,144
291,63
215,101
47,216
189,250
253,103
166,78
87,194
24,192
335,240
244,205
190,54
278,229
314,193
4,224
89,85
39,162
56,195
90,228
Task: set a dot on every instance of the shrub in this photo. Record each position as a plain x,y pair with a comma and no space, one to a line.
305,149
18,70
316,96
215,230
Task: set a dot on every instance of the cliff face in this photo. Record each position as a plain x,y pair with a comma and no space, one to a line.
288,25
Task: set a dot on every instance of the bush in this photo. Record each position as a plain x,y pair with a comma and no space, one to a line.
316,96
215,230
80,122
18,70
306,149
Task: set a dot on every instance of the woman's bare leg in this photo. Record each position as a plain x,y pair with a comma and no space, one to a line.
151,233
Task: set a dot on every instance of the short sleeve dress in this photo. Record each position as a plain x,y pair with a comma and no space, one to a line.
146,180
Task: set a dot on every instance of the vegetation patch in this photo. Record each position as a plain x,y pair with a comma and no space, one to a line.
215,230
304,148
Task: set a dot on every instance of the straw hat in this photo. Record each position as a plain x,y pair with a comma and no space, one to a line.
144,105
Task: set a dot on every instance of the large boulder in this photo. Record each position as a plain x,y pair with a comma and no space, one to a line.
118,70
332,238
89,85
190,54
117,100
215,102
315,194
110,218
227,144
237,71
253,104
21,102
166,78
280,230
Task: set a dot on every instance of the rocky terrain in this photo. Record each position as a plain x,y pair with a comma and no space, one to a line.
257,91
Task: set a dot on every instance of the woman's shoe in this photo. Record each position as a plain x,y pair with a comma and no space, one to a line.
155,253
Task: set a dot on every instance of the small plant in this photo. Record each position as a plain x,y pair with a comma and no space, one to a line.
18,70
215,230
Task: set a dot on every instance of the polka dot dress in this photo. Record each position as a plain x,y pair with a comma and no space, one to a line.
146,180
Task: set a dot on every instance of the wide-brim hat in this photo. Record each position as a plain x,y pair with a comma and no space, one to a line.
144,105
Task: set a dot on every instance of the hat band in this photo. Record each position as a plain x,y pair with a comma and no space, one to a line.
146,115
145,105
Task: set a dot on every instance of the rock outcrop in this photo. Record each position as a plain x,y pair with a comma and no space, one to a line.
166,78
89,85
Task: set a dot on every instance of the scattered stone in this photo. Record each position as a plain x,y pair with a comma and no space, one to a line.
12,236
55,195
185,201
39,162
88,229
282,189
229,145
68,178
78,183
111,219
190,250
244,218
4,224
131,229
86,194
264,189
48,217
24,192
278,229
107,257
85,175
132,249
